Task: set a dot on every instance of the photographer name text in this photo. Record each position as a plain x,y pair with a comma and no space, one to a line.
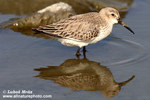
17,92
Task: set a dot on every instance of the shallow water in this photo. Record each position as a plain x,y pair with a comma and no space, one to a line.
26,62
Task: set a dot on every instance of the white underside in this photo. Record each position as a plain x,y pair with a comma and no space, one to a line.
74,42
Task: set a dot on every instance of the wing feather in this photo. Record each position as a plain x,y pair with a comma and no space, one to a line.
79,27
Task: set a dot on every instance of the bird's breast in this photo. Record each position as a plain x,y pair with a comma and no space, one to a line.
103,33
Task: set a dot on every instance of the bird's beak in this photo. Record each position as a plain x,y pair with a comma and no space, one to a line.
125,25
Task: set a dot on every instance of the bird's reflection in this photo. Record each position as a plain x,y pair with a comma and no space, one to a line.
83,74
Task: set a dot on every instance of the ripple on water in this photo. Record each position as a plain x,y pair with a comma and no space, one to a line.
121,52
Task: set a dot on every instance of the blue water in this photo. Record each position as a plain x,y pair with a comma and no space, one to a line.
123,53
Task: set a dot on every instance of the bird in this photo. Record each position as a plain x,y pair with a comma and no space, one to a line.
83,74
83,29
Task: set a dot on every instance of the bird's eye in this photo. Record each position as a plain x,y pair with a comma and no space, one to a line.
113,14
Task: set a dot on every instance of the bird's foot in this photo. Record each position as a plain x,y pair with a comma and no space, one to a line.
84,53
84,49
78,55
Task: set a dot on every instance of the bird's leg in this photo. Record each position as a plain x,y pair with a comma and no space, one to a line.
78,57
84,49
84,52
78,52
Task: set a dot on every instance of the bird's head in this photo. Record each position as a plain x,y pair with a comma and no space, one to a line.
112,16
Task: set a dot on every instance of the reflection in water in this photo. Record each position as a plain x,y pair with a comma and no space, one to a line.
83,74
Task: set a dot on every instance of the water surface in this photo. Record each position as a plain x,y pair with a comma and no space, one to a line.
122,54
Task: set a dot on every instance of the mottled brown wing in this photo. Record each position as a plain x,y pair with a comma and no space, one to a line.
80,27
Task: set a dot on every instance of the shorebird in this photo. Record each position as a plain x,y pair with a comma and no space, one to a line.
83,74
84,29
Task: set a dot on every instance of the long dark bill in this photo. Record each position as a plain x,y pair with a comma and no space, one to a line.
125,25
